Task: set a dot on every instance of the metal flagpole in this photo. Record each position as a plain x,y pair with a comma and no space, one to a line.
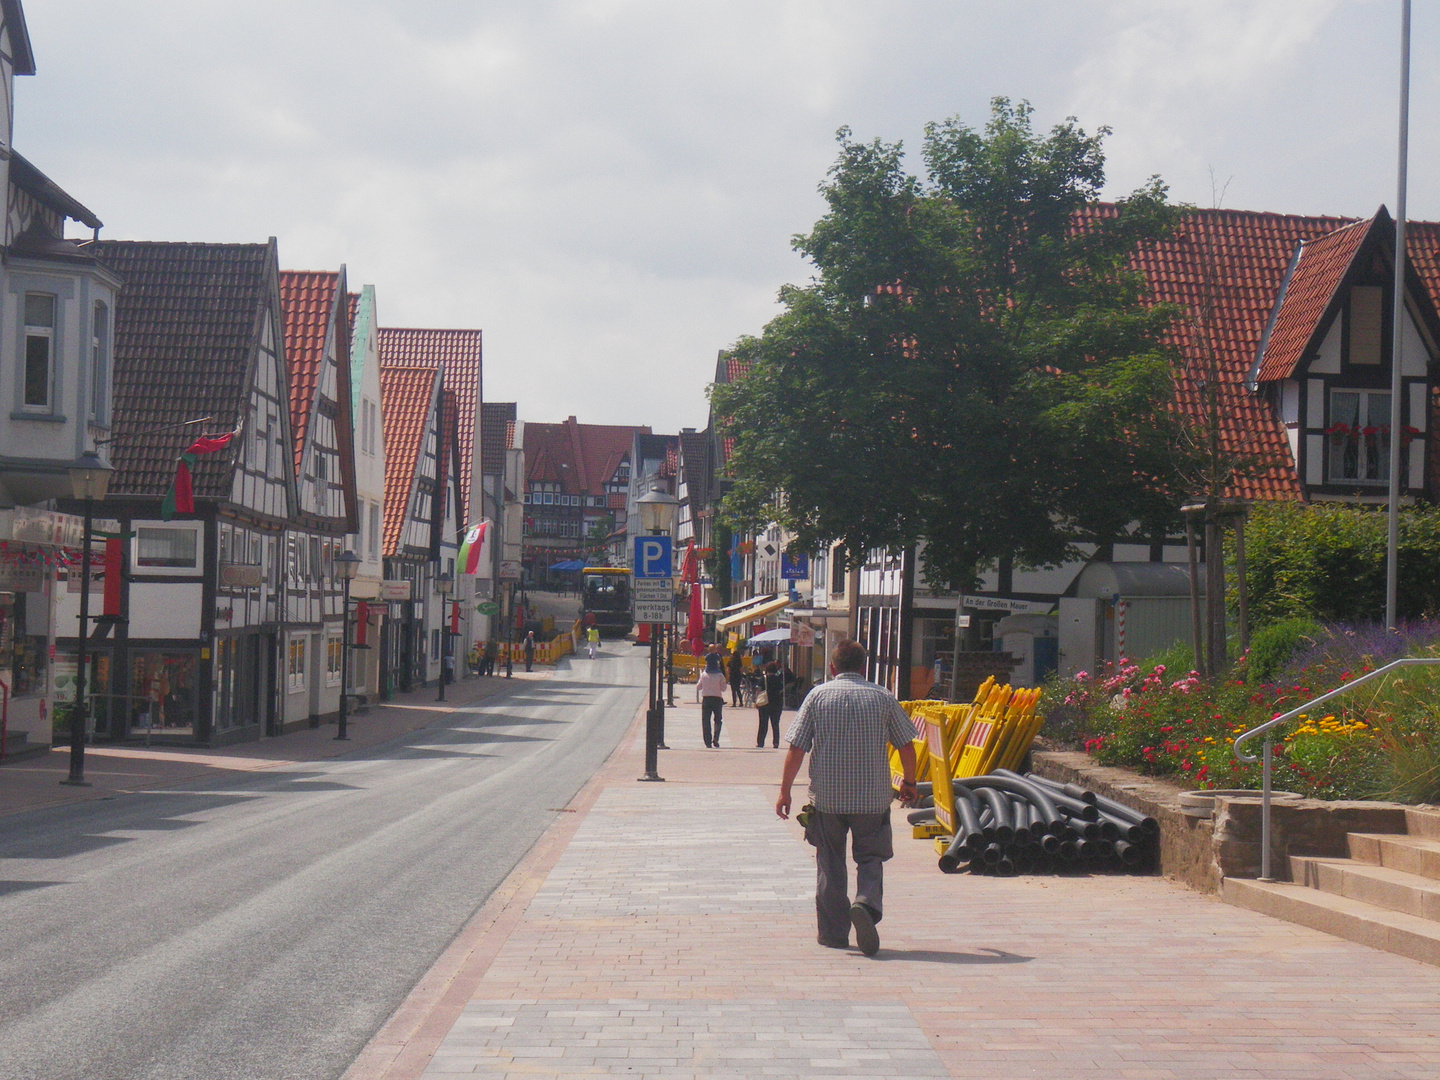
1397,323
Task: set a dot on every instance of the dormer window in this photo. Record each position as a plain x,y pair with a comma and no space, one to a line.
39,352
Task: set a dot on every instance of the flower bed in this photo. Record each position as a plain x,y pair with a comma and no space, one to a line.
1383,742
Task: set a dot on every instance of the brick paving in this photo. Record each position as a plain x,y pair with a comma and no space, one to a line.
667,931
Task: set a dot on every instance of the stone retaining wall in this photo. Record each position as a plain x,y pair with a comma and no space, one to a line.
1202,853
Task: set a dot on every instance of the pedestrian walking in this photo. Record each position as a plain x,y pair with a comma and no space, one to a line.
492,653
592,639
774,696
737,676
844,725
710,690
529,649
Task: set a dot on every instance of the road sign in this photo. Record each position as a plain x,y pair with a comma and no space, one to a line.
652,557
653,588
653,611
794,567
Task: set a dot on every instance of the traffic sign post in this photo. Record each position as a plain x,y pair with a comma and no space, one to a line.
652,557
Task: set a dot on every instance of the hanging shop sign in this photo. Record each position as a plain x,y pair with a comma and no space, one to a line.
394,590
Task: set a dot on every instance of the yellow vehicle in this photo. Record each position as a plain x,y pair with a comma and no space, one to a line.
605,600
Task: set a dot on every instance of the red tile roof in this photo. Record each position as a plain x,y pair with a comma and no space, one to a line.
308,300
579,457
461,354
352,308
406,394
1319,267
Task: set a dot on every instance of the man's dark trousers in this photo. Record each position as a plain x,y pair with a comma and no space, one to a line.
871,840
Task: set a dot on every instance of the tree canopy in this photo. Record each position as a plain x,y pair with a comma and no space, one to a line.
974,364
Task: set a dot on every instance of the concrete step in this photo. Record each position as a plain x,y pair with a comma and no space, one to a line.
1419,822
1354,920
1412,854
1394,890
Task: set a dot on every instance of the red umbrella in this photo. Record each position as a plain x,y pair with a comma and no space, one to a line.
695,623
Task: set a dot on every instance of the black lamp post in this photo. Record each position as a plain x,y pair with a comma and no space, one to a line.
347,565
89,480
658,510
444,584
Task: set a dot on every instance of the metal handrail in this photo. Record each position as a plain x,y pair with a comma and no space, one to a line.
1283,718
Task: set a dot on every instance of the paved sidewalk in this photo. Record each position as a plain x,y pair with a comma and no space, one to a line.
33,783
667,931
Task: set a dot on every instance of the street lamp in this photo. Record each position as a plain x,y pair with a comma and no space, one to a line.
89,480
347,565
444,584
658,510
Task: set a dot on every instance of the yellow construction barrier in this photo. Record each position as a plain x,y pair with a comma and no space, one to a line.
956,741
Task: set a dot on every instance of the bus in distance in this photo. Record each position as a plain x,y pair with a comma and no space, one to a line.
605,595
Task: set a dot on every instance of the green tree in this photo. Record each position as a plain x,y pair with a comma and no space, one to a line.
967,367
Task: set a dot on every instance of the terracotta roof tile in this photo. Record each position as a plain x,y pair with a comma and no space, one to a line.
406,394
579,457
308,300
1319,268
462,355
185,326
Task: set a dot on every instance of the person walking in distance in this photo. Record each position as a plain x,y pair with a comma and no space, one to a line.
737,675
592,639
710,689
530,651
774,690
492,653
844,725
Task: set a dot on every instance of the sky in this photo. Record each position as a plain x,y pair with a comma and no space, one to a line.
609,188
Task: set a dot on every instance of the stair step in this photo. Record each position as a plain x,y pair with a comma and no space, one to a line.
1422,822
1354,920
1413,854
1395,890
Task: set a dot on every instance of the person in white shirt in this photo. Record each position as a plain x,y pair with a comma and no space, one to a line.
710,689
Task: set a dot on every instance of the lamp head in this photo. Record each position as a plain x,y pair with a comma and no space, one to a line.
90,477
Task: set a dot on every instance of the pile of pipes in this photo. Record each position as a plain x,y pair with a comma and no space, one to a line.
1005,824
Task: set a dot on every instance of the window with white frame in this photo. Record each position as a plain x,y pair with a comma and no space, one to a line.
39,385
167,547
334,649
295,676
100,364
1359,436
374,531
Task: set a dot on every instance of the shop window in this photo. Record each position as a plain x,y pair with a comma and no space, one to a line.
1359,436
167,547
295,675
164,684
334,650
39,352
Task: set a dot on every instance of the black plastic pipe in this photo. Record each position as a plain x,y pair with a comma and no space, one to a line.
1010,782
1000,813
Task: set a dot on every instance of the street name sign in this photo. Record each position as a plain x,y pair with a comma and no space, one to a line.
652,557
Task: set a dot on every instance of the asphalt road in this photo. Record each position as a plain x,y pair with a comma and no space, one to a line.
265,928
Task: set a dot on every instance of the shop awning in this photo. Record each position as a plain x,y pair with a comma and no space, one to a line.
757,610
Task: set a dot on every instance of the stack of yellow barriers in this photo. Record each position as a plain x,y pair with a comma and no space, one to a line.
992,732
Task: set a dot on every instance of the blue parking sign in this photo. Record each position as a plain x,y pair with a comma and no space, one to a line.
652,557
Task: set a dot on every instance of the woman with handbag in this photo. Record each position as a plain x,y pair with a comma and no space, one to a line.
770,702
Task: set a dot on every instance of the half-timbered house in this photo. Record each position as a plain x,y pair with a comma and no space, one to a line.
189,640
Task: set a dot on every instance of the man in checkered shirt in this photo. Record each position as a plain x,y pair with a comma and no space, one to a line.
845,725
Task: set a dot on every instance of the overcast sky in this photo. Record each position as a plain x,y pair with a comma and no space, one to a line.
609,187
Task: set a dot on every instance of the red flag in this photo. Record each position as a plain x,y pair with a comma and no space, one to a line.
180,498
113,556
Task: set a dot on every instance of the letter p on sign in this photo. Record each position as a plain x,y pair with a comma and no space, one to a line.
652,557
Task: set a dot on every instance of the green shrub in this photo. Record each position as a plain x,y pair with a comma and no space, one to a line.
1272,647
1327,562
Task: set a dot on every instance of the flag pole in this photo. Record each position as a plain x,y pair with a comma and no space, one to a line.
1397,336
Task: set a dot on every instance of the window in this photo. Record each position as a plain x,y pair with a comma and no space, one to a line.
334,650
170,548
1366,318
100,364
39,350
374,531
837,574
1359,436
549,499
295,676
